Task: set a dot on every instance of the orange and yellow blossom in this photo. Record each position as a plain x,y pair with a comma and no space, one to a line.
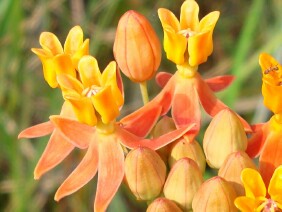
56,59
266,141
189,38
256,197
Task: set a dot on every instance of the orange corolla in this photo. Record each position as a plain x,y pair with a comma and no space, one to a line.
188,39
256,197
56,59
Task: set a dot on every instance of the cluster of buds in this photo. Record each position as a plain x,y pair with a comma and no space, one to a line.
157,156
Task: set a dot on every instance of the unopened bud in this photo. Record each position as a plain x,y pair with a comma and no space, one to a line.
216,194
163,205
224,135
145,173
183,181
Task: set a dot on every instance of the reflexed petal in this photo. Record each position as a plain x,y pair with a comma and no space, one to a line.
74,40
89,71
82,174
132,141
275,185
111,171
246,204
167,18
105,104
211,103
219,83
50,42
270,157
57,149
38,130
253,183
162,78
78,134
189,15
185,104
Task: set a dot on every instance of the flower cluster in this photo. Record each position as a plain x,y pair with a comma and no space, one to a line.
158,156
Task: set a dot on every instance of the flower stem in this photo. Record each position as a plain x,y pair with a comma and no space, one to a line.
144,92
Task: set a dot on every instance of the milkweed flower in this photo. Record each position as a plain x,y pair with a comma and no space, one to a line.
257,198
189,38
56,59
266,140
137,48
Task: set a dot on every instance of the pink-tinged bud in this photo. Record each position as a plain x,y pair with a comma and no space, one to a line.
183,181
224,135
137,48
165,125
232,167
145,173
216,194
190,149
163,205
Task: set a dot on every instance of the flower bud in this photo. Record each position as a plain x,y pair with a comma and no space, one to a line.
182,183
232,167
137,48
165,125
145,173
189,149
163,205
215,194
224,135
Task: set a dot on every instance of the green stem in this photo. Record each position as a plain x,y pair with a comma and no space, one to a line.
144,92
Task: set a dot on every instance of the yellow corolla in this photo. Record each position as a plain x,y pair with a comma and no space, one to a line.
56,59
188,34
256,198
95,92
271,82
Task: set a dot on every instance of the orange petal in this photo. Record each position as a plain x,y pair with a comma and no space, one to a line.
82,174
56,150
270,157
69,83
38,130
189,15
275,185
185,107
253,183
50,42
257,141
168,18
211,103
78,134
132,141
246,204
162,78
111,171
83,50
63,65
219,83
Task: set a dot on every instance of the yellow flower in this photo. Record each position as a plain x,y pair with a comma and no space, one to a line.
271,82
188,34
95,92
56,59
256,198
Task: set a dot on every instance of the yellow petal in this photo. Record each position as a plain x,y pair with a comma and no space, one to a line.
189,15
69,83
105,105
246,204
275,185
199,48
74,40
272,97
83,50
63,65
109,78
50,42
253,183
168,18
89,71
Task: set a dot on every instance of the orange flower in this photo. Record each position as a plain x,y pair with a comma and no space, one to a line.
271,83
256,196
56,59
189,34
137,48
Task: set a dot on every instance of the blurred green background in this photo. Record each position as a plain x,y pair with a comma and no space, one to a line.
245,28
